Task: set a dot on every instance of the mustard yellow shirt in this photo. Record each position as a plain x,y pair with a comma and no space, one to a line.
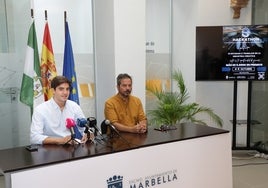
128,112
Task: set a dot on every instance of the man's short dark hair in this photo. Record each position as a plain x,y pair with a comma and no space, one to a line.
122,76
58,80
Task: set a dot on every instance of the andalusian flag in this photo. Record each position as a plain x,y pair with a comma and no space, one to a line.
68,65
31,92
48,67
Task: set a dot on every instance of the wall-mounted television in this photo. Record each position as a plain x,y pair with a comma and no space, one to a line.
237,52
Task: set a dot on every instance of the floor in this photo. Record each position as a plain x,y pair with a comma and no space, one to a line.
250,170
2,185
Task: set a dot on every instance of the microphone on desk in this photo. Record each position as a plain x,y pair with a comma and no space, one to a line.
70,123
82,122
108,123
93,123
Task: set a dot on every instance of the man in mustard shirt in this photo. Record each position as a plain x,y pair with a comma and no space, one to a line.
124,110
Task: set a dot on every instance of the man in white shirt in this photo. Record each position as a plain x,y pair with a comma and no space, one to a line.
49,118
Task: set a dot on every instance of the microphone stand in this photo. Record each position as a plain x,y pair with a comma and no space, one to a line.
89,134
72,139
100,138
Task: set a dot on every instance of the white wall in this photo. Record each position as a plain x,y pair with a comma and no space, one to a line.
158,26
120,47
104,57
129,21
79,17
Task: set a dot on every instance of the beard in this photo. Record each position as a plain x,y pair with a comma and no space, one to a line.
126,93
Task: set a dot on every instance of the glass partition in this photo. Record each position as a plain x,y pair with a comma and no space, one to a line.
259,104
15,21
158,44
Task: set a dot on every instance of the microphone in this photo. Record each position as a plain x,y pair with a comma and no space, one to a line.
70,123
82,122
93,123
107,122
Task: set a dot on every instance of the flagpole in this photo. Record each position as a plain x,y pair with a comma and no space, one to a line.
65,16
65,19
32,13
32,16
31,108
46,15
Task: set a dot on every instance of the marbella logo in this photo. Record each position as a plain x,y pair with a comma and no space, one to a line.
153,180
115,182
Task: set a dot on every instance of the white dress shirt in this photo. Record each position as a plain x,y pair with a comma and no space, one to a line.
48,120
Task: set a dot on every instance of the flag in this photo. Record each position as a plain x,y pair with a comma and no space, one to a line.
48,67
31,92
68,65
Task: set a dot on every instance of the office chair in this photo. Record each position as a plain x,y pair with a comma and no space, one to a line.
104,127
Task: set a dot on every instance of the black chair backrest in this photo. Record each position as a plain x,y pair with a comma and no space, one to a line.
103,127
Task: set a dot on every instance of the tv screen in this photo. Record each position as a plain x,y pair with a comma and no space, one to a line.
231,52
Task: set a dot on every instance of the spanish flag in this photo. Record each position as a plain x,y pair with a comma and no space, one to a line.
48,67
